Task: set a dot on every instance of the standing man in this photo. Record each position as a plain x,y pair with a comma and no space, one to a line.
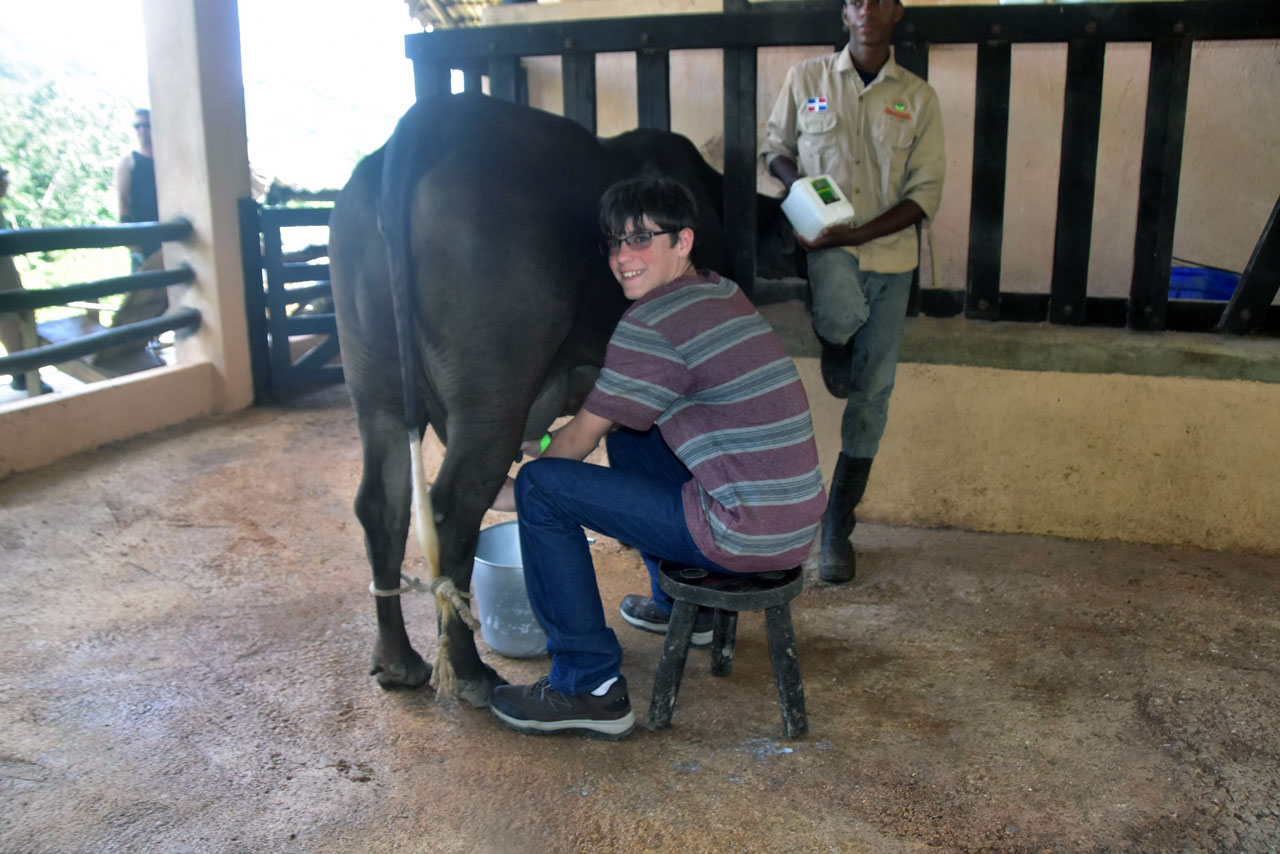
136,186
713,465
877,130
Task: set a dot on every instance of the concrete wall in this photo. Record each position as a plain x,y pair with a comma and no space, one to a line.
1095,456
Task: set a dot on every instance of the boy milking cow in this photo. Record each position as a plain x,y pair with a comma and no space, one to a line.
712,462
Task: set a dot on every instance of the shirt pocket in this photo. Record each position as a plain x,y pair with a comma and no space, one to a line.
891,140
817,141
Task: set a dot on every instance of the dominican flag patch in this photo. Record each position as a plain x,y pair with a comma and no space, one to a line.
817,105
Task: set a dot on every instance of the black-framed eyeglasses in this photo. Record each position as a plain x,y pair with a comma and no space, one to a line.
636,240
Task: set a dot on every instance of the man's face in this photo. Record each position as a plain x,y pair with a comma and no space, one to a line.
640,270
870,22
142,124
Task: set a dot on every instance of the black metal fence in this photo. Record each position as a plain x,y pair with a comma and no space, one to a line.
24,302
292,331
1170,27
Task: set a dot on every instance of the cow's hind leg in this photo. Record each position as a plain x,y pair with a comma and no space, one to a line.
475,464
382,506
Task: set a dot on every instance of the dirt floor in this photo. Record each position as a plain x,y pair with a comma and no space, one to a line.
185,631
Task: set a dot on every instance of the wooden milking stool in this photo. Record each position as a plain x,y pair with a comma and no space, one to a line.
771,592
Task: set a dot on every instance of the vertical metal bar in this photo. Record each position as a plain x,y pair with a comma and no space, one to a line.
913,56
430,77
277,314
653,89
504,75
1259,284
578,70
740,163
1158,187
1077,181
472,79
254,299
990,154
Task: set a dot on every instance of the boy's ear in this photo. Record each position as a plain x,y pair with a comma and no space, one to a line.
684,241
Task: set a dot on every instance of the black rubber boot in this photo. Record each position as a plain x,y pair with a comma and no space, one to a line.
837,367
838,561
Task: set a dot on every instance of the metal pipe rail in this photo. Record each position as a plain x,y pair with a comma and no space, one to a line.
22,241
54,354
30,300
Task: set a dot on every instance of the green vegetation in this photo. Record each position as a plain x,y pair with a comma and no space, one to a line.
60,142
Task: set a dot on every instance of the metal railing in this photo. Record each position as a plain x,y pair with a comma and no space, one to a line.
279,288
1171,28
24,302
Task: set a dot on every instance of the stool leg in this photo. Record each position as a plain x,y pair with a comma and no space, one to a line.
786,670
666,684
722,640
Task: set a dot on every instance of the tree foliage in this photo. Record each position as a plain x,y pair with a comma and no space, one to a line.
60,143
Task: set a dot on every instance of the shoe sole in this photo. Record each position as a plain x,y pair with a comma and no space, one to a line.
699,639
609,730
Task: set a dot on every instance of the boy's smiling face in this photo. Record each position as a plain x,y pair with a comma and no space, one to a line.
639,271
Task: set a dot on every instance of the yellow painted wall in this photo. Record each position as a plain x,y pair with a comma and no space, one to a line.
1143,459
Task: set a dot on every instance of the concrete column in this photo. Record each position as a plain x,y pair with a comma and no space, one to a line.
202,168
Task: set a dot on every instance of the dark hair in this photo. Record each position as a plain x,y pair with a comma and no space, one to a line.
664,200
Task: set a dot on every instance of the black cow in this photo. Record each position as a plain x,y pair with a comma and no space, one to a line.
470,296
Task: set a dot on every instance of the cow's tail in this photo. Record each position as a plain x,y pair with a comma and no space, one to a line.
408,155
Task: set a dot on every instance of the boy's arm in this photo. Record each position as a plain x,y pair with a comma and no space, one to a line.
579,437
573,441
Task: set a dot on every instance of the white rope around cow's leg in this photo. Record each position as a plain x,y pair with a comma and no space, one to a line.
450,602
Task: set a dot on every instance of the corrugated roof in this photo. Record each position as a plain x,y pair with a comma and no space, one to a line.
448,14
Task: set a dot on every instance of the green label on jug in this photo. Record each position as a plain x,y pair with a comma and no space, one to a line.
825,191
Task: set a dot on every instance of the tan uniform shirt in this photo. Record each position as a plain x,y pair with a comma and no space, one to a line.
882,143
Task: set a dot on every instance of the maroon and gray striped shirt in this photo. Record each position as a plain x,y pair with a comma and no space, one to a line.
695,358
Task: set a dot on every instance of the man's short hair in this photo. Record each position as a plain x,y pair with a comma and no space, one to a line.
664,200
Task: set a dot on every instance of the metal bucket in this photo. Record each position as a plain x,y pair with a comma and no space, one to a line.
507,623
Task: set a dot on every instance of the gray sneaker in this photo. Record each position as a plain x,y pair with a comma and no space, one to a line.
539,708
643,613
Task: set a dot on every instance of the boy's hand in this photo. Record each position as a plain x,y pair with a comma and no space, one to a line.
506,500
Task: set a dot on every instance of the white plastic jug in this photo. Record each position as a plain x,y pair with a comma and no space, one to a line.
815,203
507,623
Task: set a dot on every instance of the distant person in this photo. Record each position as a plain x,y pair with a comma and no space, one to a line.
136,186
10,324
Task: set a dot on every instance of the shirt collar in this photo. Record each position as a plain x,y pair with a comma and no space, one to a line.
891,70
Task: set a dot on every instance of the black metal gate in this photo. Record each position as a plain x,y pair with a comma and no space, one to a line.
293,337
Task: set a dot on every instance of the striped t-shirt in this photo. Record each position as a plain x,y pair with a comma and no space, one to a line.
695,358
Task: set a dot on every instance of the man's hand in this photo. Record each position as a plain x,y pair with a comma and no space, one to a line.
831,236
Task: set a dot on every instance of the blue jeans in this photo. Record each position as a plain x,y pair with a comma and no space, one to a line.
870,308
637,500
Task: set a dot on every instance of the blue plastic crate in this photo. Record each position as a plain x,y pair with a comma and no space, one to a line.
1202,283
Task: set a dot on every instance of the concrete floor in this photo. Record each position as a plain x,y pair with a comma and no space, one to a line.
185,631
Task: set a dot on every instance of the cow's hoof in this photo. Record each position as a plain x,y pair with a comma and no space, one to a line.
408,671
477,691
